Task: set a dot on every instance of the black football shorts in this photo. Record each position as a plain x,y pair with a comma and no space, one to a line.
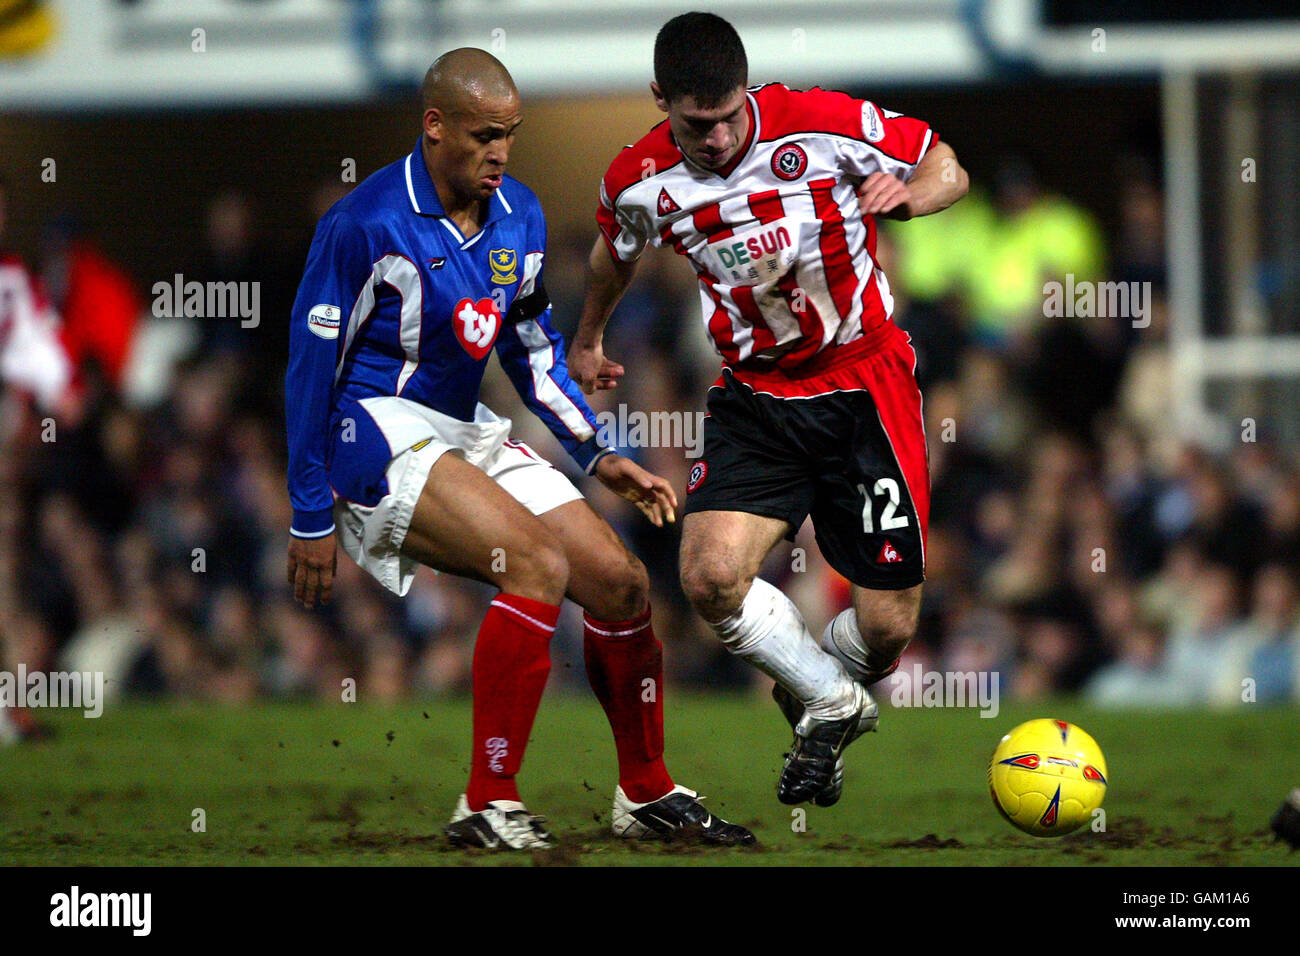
856,464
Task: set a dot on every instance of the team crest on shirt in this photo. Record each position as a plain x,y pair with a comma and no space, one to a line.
476,325
789,162
699,471
503,262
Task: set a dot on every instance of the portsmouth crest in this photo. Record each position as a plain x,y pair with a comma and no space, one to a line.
503,262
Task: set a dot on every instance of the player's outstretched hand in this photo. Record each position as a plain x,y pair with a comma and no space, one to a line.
884,195
312,562
589,367
652,494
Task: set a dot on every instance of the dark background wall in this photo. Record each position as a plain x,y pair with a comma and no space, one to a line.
139,180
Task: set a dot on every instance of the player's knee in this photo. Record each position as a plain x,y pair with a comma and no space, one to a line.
625,590
715,589
539,571
633,588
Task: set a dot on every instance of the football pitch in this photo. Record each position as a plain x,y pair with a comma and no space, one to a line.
365,785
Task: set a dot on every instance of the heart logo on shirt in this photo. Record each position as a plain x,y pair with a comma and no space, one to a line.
476,325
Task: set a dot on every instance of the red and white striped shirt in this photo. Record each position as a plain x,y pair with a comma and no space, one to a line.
786,261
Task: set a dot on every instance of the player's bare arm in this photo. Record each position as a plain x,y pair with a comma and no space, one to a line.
607,280
939,181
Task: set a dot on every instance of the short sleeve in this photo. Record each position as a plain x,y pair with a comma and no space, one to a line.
872,139
625,233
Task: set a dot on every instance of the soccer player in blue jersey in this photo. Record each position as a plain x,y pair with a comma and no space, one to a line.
412,280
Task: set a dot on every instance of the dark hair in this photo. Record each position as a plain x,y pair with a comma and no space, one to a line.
699,55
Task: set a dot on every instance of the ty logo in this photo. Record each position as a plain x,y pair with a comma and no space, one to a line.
476,325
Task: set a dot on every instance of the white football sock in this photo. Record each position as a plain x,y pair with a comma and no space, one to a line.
769,632
843,641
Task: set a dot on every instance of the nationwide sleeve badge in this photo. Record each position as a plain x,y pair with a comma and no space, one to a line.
503,263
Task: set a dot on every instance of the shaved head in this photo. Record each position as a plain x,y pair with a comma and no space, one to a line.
471,111
462,79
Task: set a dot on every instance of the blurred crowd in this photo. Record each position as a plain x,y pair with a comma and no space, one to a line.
1077,544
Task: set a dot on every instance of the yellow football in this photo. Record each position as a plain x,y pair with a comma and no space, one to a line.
1047,777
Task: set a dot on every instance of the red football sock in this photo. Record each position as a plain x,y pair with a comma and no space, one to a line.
512,659
625,666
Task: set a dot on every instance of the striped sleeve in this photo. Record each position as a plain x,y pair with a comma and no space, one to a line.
625,233
891,142
871,139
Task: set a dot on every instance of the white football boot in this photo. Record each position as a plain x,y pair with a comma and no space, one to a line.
501,825
676,814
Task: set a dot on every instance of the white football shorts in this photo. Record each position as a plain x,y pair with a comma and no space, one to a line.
419,436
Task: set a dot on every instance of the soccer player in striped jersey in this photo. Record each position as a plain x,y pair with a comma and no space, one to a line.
411,281
771,194
35,375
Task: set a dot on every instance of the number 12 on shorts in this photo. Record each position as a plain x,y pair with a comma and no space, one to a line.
889,517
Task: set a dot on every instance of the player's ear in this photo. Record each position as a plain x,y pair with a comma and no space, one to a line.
433,124
659,96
